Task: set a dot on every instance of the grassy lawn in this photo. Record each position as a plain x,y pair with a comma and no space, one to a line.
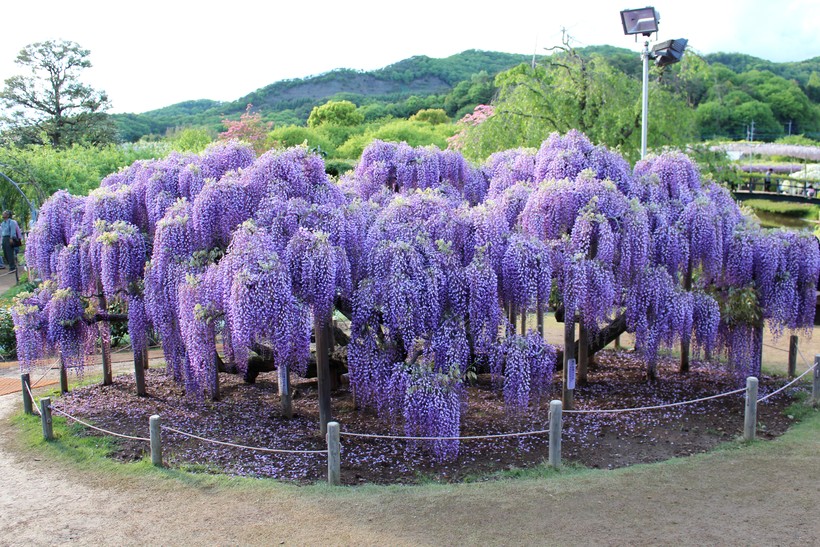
796,210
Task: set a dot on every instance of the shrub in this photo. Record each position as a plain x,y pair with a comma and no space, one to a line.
8,342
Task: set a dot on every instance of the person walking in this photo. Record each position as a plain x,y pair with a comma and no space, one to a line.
767,181
10,231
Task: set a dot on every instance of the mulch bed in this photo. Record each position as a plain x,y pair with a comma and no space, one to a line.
249,415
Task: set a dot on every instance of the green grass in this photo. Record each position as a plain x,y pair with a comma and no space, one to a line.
796,210
7,297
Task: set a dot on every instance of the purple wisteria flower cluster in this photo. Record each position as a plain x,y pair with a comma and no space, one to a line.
428,257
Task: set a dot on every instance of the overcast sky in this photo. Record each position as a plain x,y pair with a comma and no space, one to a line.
148,54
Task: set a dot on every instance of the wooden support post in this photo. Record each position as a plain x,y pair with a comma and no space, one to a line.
792,356
139,372
750,417
555,434
815,386
322,371
214,377
686,341
617,342
45,417
104,328
539,318
513,315
27,403
583,353
63,377
145,358
155,431
569,361
758,342
523,321
285,397
335,372
334,454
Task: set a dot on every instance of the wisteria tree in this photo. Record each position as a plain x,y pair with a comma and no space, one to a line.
239,264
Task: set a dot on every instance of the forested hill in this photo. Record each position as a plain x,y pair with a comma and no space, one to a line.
459,82
290,101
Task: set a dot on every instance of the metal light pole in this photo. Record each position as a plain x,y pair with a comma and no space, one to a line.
645,104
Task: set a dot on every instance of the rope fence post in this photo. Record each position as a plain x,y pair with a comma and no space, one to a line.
750,418
155,434
45,415
792,356
555,434
815,386
334,456
26,381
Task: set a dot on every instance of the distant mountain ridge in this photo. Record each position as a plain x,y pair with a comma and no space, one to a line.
290,101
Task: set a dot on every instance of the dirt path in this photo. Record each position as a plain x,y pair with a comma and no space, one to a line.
767,494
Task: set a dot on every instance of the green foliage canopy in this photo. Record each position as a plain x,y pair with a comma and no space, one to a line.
338,113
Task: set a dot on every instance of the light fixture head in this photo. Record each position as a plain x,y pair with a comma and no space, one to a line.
668,52
640,21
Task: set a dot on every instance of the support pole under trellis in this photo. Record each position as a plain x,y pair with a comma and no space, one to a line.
139,372
323,370
285,397
792,356
63,376
583,353
569,361
104,328
686,340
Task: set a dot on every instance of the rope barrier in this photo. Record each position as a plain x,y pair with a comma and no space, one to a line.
260,449
536,432
655,407
811,368
463,438
775,347
806,361
101,430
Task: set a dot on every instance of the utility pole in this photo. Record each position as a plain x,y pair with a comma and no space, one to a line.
644,100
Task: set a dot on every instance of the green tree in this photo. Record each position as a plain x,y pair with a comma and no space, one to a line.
294,135
51,100
572,91
338,113
432,116
41,170
467,94
189,139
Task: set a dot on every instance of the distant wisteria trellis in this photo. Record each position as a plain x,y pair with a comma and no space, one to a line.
425,253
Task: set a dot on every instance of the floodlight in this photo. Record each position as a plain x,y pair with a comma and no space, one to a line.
640,21
668,52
